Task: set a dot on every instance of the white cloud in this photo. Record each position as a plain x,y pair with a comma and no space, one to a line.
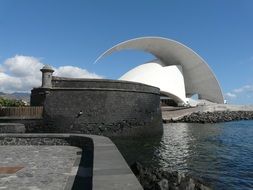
245,88
75,72
242,94
8,82
22,73
22,66
230,95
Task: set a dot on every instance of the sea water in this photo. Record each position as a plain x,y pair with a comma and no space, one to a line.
219,154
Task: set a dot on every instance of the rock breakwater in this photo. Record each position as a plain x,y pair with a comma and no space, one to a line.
156,179
214,117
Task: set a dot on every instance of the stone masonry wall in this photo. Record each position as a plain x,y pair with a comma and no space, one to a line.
108,108
31,125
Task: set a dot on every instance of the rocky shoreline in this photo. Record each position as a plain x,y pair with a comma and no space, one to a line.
213,117
156,179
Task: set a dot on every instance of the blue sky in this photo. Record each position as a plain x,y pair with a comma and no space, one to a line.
72,34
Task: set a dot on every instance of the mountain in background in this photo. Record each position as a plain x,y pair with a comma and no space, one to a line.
16,95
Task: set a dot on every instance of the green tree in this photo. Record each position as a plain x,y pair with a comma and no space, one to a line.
4,102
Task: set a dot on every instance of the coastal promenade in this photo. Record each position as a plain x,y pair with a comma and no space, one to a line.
63,161
174,114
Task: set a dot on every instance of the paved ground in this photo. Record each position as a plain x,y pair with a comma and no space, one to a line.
43,167
99,166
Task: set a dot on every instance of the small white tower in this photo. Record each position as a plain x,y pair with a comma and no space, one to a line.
47,72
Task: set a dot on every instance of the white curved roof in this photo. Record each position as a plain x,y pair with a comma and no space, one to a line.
169,79
198,77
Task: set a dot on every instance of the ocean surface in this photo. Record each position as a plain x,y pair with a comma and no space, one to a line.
219,154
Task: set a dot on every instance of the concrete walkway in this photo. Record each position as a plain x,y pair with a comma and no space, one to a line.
172,113
109,171
36,167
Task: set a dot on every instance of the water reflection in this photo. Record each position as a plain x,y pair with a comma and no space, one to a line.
174,148
140,149
220,154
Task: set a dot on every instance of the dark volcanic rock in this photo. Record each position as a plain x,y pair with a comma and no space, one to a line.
215,117
155,179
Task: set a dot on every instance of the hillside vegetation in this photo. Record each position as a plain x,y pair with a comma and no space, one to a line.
4,102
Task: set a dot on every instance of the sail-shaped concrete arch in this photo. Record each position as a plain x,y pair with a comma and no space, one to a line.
198,77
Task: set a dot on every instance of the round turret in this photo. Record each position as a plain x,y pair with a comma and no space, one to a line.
47,72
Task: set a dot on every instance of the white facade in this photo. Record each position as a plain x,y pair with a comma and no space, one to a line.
169,79
178,71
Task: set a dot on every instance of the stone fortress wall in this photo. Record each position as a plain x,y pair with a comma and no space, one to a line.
98,106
